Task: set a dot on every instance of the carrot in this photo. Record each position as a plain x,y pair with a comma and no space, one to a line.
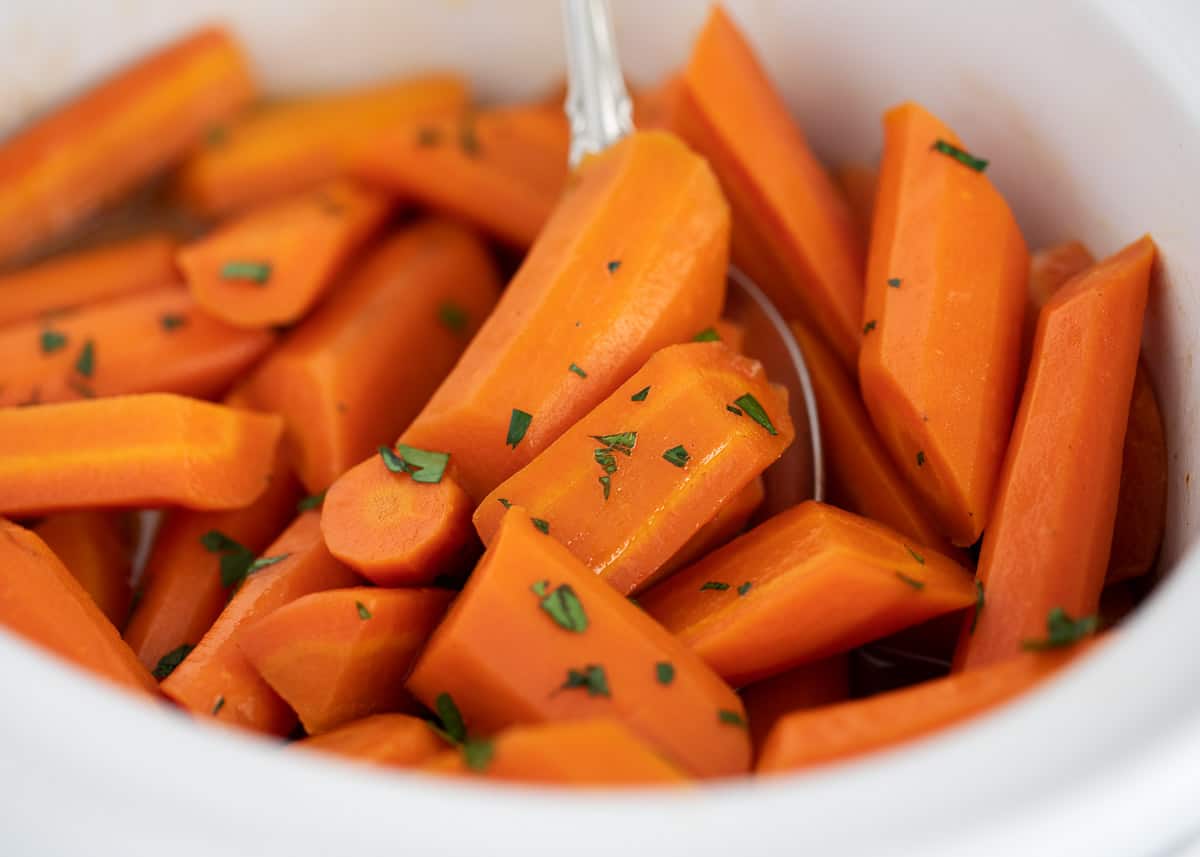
632,259
729,522
273,264
810,582
599,752
832,733
1049,270
395,530
94,546
811,685
133,451
68,164
500,169
183,585
75,279
358,370
536,637
732,333
41,601
390,740
287,146
858,183
154,341
941,342
628,485
1047,545
793,232
216,679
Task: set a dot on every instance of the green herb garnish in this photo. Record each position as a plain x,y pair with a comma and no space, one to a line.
709,334
605,459
172,321
85,364
423,466
254,272
540,587
363,612
452,316
734,409
623,442
216,135
218,705
518,424
869,326
477,753
542,524
731,717
564,607
920,458
755,411
263,562
453,727
678,456
172,659
236,558
52,341
640,395
1062,630
911,581
505,502
664,671
312,501
745,587
961,155
574,367
613,265
606,484
978,606
894,282
591,678
714,584
920,559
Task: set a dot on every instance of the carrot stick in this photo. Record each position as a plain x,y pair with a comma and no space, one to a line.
628,485
858,183
133,451
501,169
793,232
216,679
632,259
571,648
729,522
942,333
154,341
42,602
342,654
288,146
76,279
273,264
94,546
811,685
1047,545
389,740
360,368
810,582
67,165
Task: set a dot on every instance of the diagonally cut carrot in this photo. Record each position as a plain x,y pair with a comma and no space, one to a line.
1049,270
390,740
729,522
810,685
95,547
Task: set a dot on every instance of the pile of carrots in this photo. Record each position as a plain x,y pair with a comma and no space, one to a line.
416,517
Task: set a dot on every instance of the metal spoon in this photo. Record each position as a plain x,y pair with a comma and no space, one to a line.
601,113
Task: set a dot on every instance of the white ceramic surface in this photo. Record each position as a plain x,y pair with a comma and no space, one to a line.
1090,116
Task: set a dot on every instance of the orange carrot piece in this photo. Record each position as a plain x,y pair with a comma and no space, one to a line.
858,183
41,601
360,368
75,279
154,341
390,740
811,685
501,169
792,232
942,338
216,679
810,582
600,752
571,648
273,264
1049,270
150,450
287,146
672,460
342,654
632,259
1048,542
95,548
67,165
729,522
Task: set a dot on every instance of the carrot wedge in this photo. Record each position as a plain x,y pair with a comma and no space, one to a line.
627,486
95,548
1049,271
811,685
389,740
342,654
1047,546
536,637
133,451
272,265
216,679
41,601
942,332
357,371
810,582
633,259
730,521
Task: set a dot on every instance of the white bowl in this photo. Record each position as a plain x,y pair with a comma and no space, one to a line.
1089,114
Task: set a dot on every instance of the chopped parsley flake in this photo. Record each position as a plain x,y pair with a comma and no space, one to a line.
709,334
731,717
640,395
613,265
623,442
542,524
452,316
591,678
756,412
920,458
574,367
979,602
172,321
85,365
423,466
715,585
1062,630
363,612
869,326
563,606
518,424
961,155
678,456
168,662
894,282
52,340
745,587
254,272
664,671
312,501
477,753
911,581
920,559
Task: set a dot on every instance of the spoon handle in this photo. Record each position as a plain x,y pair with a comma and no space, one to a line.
598,105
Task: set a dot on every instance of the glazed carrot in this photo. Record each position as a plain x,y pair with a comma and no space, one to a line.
273,264
569,647
1049,270
822,735
858,183
811,685
810,582
216,679
1047,545
42,602
75,279
391,740
632,259
942,333
95,548
287,146
65,166
358,370
394,530
732,333
628,485
183,588
793,232
126,451
154,341
501,169
342,654
729,522
600,752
